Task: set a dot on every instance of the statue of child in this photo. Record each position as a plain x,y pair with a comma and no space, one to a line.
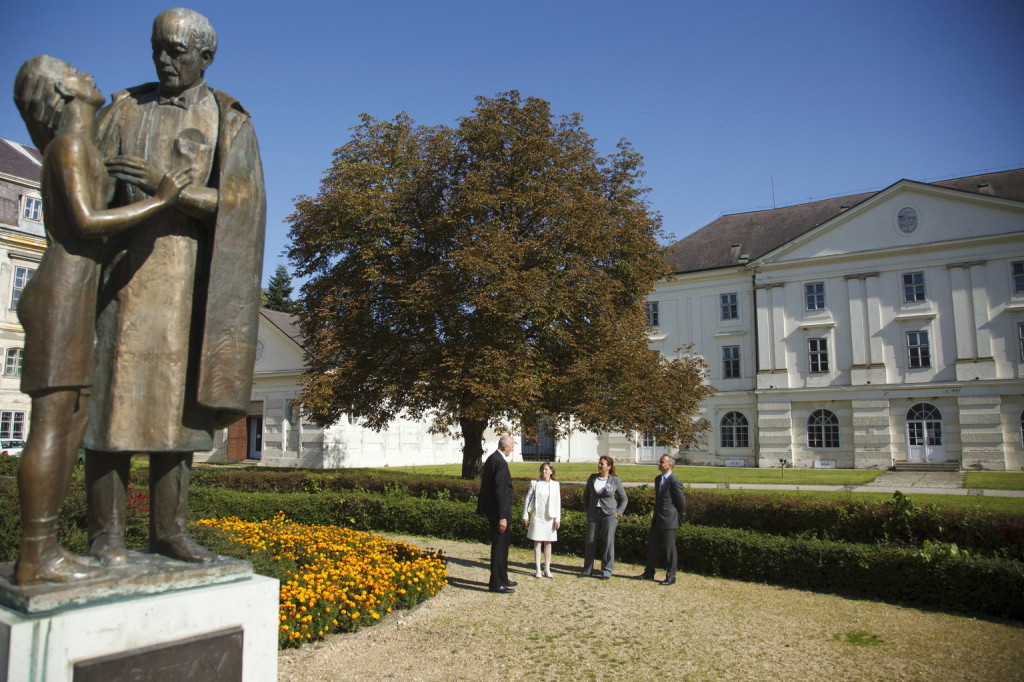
58,306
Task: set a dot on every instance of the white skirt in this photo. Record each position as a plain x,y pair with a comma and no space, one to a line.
542,527
542,530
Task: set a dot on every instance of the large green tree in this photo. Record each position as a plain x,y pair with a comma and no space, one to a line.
494,273
278,294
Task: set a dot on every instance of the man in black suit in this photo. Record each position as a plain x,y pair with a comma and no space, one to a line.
495,502
669,506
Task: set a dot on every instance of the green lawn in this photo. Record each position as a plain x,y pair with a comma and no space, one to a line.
640,473
646,474
995,480
1013,505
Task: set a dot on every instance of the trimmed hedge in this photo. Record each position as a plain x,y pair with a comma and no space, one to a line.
897,522
935,576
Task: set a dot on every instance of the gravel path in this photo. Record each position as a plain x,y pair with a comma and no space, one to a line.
700,628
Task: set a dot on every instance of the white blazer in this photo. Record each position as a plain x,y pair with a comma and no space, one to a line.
554,510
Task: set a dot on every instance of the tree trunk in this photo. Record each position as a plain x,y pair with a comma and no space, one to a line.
472,447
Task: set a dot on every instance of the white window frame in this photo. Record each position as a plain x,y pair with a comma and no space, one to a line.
12,362
22,274
731,365
822,430
1017,276
31,208
919,349
817,355
814,296
12,425
736,425
729,306
913,287
653,314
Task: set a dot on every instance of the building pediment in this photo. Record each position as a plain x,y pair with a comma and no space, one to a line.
902,218
276,351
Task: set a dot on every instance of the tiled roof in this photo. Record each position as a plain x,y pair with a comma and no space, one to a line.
20,160
286,322
733,239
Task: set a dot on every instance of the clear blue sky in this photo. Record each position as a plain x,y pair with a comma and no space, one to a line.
824,97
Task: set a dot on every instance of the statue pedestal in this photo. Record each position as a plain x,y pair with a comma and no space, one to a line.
222,631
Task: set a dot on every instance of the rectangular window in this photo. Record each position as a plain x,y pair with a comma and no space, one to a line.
913,287
653,318
730,306
1018,277
12,425
817,355
12,362
21,278
31,208
730,362
814,293
918,350
1020,339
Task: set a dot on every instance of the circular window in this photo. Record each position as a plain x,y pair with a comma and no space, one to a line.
259,349
907,220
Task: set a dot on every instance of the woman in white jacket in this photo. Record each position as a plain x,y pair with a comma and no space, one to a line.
542,512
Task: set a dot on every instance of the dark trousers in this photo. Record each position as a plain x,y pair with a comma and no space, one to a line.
603,525
499,555
667,539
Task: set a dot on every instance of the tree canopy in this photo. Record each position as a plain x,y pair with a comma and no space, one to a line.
278,294
494,273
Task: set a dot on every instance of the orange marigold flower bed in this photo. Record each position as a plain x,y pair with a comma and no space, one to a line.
335,579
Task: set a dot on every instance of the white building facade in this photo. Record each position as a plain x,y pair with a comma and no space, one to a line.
861,331
276,434
22,242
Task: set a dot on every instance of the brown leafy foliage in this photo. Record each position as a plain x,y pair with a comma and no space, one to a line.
490,273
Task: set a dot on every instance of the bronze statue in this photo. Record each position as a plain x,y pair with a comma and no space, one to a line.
179,295
58,307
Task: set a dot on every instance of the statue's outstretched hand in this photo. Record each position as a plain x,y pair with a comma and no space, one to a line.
172,183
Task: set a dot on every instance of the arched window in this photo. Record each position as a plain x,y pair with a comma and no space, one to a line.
924,411
823,429
735,431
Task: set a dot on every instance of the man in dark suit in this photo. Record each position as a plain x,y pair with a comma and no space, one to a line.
669,506
495,502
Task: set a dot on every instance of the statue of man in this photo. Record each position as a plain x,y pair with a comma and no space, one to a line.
179,295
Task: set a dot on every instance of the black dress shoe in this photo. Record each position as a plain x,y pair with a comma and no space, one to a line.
502,590
603,577
645,576
584,575
511,583
668,581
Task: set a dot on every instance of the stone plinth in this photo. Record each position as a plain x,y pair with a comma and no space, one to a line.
193,623
143,573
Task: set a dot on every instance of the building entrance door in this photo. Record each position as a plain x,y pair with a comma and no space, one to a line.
650,451
541,448
924,434
255,429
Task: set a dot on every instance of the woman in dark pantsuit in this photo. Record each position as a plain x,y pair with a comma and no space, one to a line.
604,500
